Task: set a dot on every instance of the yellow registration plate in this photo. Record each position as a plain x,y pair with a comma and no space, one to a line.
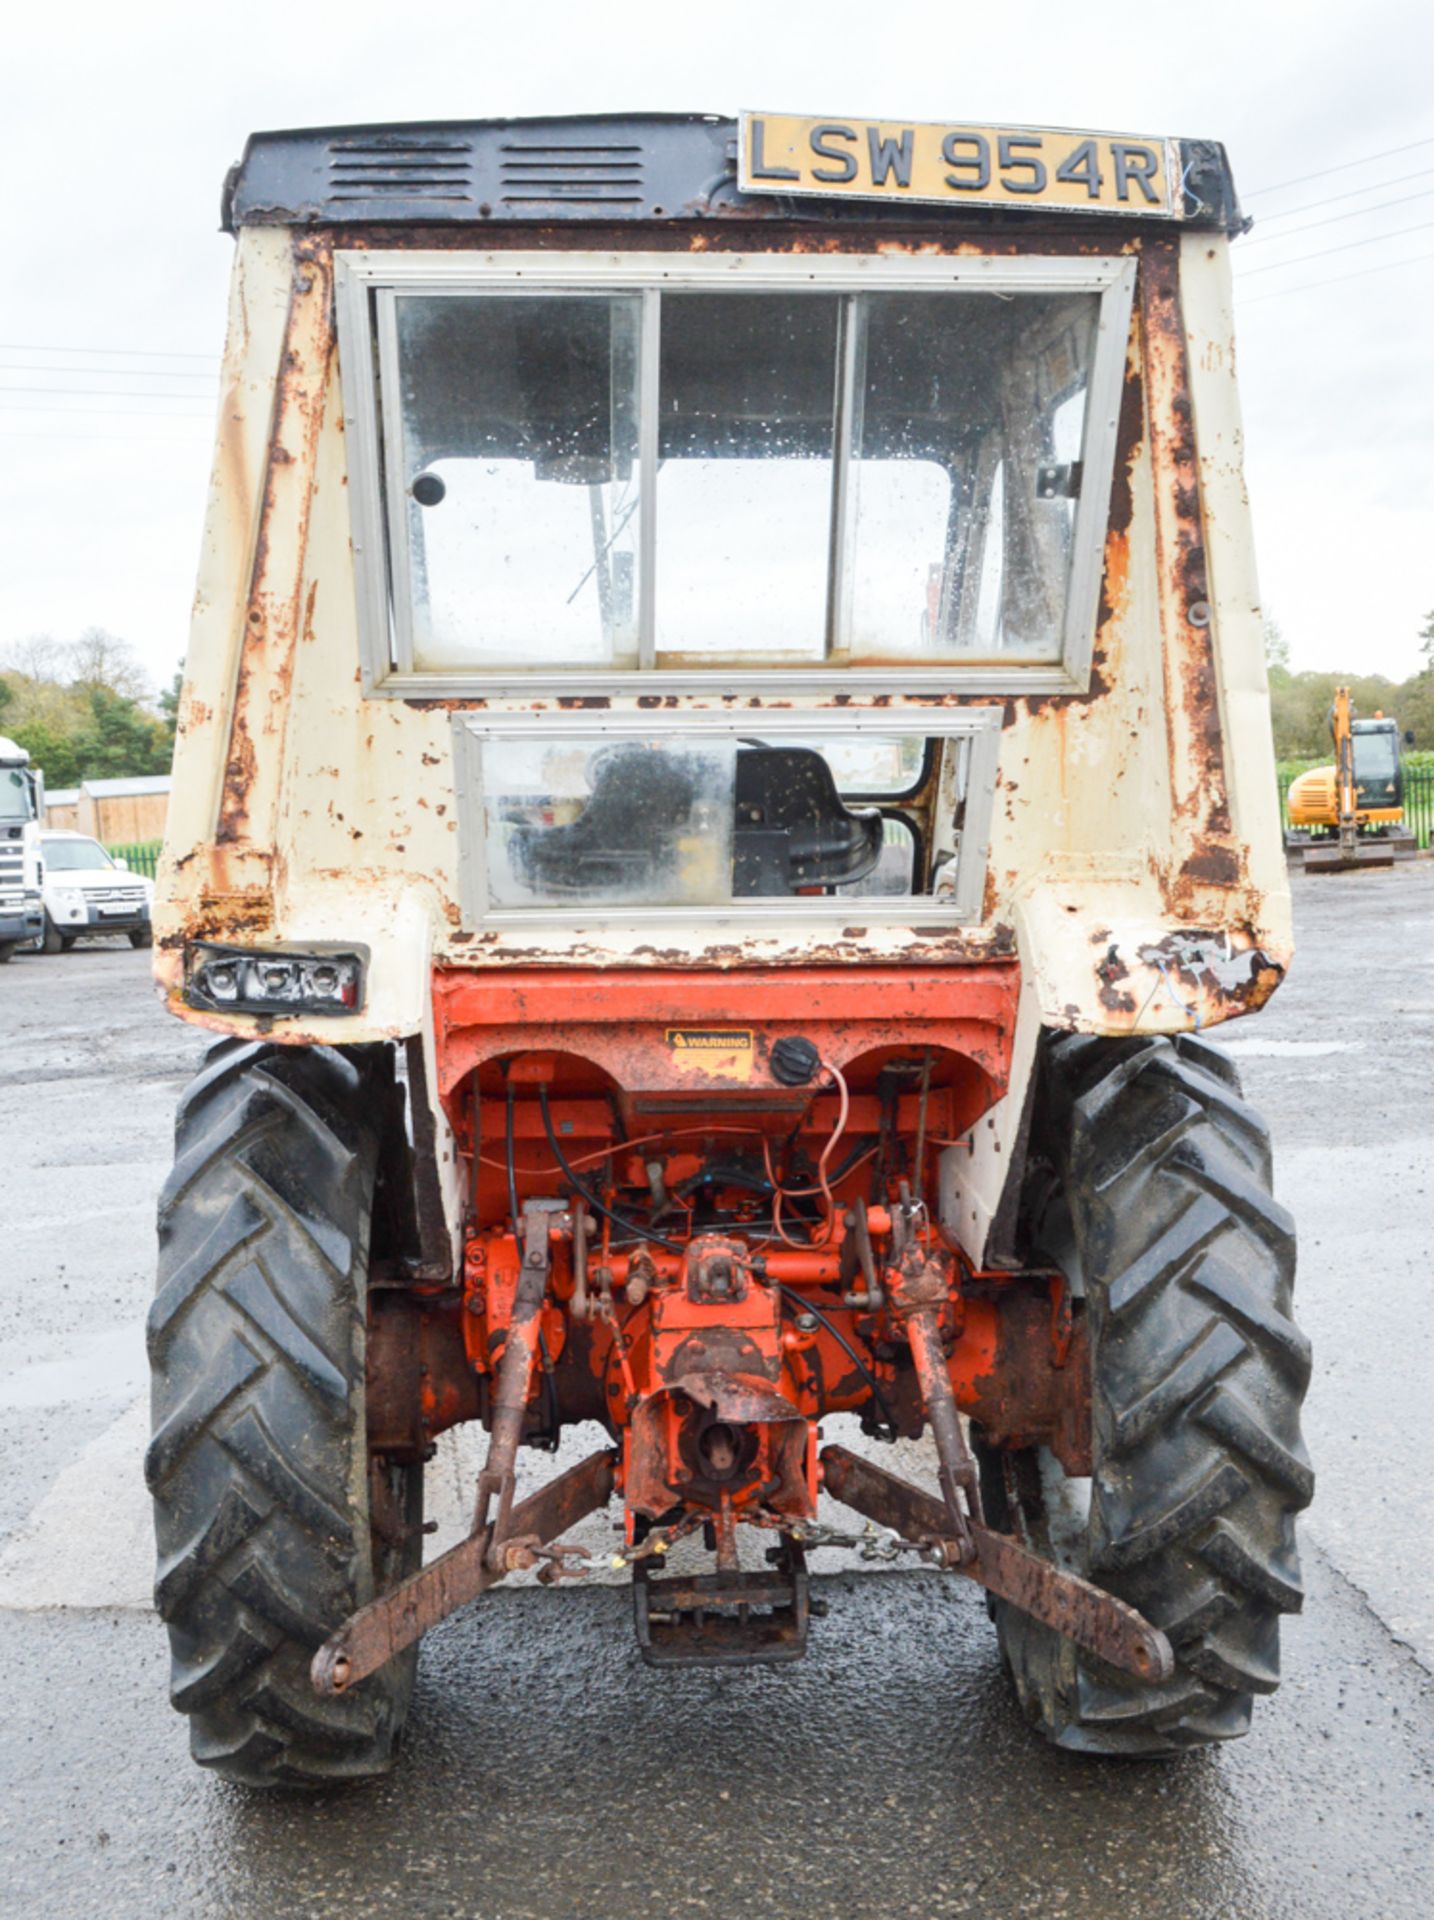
957,165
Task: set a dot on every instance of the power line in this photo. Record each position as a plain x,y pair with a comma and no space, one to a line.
116,373
123,413
1370,240
1261,240
110,439
129,353
1333,280
104,393
1344,166
1329,199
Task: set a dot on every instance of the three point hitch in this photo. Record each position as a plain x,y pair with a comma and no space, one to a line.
734,1616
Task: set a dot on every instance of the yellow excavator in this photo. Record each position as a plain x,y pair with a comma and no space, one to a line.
1352,814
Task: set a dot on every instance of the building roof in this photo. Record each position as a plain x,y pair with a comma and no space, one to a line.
124,789
62,796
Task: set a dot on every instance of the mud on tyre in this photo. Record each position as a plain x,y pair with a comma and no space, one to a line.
271,1525
1149,1184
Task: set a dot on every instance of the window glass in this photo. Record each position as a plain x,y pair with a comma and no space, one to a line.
14,794
744,494
644,821
965,467
841,480
868,763
518,473
894,873
984,564
633,822
75,856
1375,755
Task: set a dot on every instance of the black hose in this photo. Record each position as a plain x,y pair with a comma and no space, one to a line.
512,1169
550,1392
730,1176
803,1305
585,1193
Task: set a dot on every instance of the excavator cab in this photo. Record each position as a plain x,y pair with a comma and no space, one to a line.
1378,767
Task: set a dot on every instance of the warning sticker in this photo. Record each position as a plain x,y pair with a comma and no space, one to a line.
728,1051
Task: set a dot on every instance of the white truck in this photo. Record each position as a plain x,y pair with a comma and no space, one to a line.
22,803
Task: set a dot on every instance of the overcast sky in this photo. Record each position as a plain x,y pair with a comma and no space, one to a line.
117,125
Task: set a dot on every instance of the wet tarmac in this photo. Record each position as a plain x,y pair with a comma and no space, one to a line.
549,1776
547,1773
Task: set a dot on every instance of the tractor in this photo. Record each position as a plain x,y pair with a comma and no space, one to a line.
724,783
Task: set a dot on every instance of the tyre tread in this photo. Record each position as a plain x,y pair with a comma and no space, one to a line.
257,1464
1198,1374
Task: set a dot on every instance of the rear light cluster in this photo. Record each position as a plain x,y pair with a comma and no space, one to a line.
237,980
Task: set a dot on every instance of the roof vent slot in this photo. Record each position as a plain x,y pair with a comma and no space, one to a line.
417,167
542,174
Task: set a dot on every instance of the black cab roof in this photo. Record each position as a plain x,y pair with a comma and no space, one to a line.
663,168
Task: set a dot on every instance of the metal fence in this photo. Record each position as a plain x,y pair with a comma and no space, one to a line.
1418,801
141,856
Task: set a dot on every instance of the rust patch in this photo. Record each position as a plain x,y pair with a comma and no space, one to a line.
1196,739
1223,978
1110,972
1112,968
1214,866
272,618
941,948
228,916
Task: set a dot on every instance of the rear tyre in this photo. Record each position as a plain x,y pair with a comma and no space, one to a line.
1151,1188
141,937
52,940
7,951
272,1525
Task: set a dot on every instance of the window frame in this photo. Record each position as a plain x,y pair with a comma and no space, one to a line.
366,284
980,726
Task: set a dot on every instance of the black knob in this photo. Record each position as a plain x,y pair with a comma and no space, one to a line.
794,1060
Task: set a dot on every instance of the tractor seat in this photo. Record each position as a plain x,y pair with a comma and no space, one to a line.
793,829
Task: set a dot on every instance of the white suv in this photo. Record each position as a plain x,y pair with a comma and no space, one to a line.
86,890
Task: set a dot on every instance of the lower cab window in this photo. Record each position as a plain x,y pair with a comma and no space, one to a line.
678,822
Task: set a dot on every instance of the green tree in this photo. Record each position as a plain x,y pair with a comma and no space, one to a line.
81,709
51,752
1416,710
120,738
